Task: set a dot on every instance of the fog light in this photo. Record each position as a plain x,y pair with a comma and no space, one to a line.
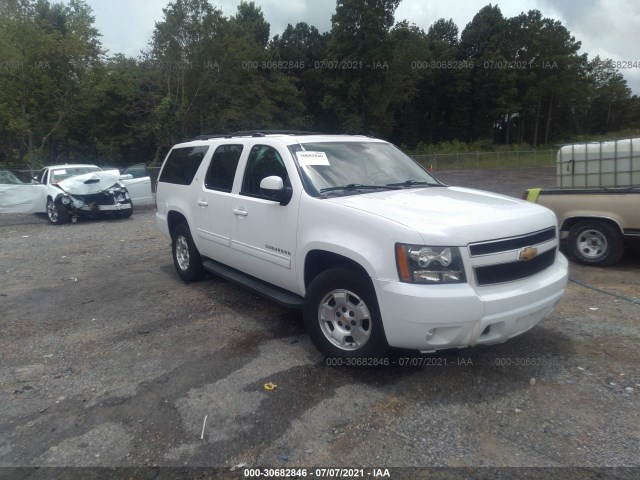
66,200
430,333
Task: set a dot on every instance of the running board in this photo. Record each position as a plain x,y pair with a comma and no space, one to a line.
262,288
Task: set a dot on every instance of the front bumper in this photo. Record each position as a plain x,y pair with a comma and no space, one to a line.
105,208
111,200
436,317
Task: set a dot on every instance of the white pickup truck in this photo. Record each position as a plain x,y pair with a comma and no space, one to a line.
597,201
373,248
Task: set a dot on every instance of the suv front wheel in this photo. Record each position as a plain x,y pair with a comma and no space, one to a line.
342,317
186,257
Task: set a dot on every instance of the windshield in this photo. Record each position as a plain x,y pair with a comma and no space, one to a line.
60,174
344,168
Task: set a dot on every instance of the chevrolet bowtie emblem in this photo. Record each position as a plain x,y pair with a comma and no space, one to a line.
527,253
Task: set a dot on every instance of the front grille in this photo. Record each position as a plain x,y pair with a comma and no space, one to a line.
513,243
509,272
100,198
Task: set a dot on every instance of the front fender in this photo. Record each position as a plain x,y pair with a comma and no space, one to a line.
364,238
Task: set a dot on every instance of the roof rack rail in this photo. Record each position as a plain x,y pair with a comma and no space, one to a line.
255,133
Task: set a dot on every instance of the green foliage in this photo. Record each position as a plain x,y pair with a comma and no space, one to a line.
456,146
499,84
47,51
361,46
206,80
301,49
302,43
609,106
615,135
360,29
251,20
445,31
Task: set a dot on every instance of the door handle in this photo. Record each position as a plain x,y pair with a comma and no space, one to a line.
240,212
202,203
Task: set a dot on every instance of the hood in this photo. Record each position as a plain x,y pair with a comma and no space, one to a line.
452,215
89,183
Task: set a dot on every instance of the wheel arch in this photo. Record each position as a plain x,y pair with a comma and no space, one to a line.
569,222
317,261
174,219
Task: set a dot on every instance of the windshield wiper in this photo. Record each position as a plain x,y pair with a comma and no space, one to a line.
358,186
412,183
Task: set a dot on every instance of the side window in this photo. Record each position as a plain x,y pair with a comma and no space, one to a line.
263,162
23,178
136,171
223,166
9,177
182,165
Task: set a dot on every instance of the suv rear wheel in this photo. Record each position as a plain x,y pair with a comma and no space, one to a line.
186,257
342,317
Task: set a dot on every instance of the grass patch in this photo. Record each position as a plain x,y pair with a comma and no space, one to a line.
488,160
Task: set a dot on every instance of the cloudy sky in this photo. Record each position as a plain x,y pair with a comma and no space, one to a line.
608,28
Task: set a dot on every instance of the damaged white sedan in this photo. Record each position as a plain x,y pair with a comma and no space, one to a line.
67,192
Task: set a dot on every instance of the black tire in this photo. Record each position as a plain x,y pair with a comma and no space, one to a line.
186,257
595,243
340,303
56,212
123,214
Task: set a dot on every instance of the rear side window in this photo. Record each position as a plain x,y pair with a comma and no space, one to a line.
223,168
182,165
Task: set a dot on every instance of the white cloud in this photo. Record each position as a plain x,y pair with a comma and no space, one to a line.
608,28
424,14
126,25
279,14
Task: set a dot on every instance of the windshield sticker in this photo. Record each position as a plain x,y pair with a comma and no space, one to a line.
312,159
59,172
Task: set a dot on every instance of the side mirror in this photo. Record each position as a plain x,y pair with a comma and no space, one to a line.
273,188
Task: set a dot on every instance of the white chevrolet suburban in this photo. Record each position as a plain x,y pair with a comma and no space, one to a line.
373,249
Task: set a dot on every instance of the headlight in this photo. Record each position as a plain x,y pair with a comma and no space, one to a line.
432,265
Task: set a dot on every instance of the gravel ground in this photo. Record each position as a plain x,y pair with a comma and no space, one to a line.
109,360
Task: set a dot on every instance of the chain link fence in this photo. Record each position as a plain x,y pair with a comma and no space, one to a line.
488,160
435,162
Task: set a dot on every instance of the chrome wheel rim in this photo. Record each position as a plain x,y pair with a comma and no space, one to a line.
182,252
592,244
345,320
52,211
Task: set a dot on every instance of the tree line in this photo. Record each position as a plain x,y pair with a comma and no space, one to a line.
500,81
